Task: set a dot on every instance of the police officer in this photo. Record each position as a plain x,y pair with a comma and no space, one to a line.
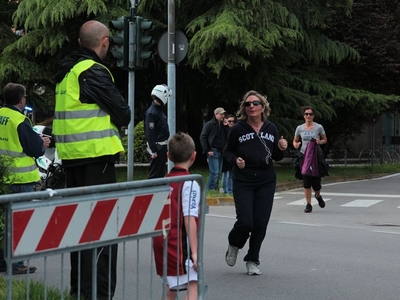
157,131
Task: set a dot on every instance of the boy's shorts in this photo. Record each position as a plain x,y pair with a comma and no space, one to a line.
178,283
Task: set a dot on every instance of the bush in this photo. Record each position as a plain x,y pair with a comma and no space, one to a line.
5,163
139,145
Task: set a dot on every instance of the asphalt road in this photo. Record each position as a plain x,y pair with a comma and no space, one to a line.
347,251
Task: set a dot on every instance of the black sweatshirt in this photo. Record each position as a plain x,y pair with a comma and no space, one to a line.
244,142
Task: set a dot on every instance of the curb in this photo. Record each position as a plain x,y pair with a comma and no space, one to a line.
223,200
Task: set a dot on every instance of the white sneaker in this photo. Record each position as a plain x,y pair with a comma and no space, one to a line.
231,255
252,268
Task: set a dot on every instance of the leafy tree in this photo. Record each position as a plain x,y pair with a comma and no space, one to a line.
373,30
369,29
281,48
5,164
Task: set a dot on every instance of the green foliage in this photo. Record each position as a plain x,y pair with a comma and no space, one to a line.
296,52
139,151
19,290
140,146
5,163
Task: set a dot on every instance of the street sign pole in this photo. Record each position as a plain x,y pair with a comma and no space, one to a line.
171,72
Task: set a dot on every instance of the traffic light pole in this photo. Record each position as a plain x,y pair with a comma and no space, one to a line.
131,93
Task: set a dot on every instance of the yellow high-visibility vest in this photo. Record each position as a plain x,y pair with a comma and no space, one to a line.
82,130
23,167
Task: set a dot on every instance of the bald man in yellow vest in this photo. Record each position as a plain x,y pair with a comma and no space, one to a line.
89,113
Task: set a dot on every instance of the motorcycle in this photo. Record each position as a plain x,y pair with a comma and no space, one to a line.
52,175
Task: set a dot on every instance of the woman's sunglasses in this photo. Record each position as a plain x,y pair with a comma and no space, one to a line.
249,103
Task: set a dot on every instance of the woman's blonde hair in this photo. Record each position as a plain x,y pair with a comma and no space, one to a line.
242,115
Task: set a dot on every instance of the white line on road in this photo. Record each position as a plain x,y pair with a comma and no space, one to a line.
220,216
361,203
303,202
304,224
384,231
347,195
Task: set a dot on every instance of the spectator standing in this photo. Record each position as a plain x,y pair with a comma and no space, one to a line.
226,166
185,199
253,142
22,144
156,130
302,136
212,139
88,114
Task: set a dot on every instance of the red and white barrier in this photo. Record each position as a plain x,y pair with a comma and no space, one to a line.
67,225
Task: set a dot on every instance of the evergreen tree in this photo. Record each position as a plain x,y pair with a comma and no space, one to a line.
51,32
279,47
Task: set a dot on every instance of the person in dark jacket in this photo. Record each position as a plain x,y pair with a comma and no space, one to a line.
303,135
156,130
227,185
88,115
212,140
252,143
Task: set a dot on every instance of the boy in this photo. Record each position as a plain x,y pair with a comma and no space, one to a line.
185,197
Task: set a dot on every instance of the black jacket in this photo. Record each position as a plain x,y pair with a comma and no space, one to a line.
208,133
96,86
155,126
258,150
31,142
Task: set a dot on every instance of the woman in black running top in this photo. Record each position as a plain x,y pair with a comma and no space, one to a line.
251,146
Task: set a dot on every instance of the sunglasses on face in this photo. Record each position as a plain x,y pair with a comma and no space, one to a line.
308,114
231,121
255,103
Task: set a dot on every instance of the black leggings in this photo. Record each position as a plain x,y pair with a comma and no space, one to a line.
254,197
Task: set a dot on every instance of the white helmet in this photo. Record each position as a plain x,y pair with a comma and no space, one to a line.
161,92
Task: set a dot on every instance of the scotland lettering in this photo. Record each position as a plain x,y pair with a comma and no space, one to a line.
250,136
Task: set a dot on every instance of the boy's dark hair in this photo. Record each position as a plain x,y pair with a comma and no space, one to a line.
180,147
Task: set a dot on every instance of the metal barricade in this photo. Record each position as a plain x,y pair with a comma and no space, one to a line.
47,224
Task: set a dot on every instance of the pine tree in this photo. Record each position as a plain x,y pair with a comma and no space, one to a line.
279,47
51,32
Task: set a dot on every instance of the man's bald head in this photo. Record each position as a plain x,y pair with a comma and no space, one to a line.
94,35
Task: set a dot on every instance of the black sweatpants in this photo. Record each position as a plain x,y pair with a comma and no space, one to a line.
86,175
254,197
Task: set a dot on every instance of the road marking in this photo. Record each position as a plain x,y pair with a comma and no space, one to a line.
361,203
384,231
220,216
303,202
304,224
348,195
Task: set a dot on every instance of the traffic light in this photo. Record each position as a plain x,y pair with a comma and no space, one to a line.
144,41
119,43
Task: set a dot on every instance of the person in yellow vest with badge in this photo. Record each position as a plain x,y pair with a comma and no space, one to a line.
89,113
21,144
